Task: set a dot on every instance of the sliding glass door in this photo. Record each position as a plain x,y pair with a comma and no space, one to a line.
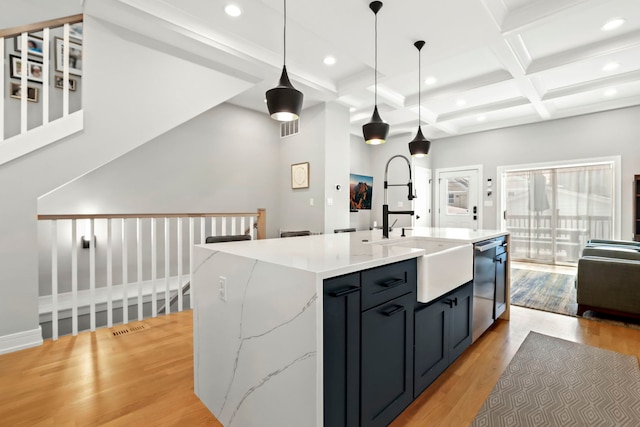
552,212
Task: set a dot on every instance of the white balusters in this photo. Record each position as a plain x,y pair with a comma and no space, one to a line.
65,71
139,264
24,92
167,264
154,269
125,274
45,73
92,274
87,293
192,242
54,280
109,275
74,277
179,257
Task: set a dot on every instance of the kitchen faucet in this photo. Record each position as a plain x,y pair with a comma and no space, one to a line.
385,206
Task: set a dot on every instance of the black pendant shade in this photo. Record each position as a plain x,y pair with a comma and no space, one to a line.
376,131
419,146
284,101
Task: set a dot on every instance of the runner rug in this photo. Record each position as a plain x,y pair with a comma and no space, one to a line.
553,382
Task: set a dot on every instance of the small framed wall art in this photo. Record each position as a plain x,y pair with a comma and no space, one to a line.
300,175
15,91
59,82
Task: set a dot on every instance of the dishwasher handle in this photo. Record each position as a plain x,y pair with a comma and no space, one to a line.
487,246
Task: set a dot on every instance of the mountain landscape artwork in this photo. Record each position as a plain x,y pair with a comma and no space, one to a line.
361,191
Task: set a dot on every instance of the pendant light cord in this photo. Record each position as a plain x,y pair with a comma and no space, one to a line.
419,103
376,63
284,61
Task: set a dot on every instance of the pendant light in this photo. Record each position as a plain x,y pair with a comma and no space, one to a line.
284,101
375,132
419,147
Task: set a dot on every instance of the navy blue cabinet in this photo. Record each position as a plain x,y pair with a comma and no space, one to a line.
443,330
387,360
341,301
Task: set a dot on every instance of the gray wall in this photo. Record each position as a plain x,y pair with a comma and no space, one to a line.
610,133
361,155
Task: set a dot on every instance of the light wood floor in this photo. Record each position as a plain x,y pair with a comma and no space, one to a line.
146,378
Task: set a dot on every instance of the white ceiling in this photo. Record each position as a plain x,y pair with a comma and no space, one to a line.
496,63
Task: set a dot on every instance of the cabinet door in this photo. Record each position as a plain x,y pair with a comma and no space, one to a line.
461,321
501,285
431,343
387,360
342,351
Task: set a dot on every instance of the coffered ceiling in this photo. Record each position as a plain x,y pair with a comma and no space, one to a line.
486,64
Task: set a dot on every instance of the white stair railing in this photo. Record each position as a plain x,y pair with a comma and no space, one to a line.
36,53
91,257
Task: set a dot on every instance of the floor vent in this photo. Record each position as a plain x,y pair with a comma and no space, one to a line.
131,328
289,128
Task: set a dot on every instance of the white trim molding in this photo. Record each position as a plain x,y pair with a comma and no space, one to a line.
20,340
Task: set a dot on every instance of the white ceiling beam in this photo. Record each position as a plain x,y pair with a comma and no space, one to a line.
540,11
603,83
508,57
485,108
623,42
456,88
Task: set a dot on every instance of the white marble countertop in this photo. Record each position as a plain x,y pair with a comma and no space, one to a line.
330,255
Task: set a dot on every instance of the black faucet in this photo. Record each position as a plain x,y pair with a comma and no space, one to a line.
385,207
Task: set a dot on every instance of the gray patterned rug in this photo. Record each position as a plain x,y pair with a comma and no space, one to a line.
553,382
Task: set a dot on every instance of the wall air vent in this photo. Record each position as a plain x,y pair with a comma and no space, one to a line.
289,128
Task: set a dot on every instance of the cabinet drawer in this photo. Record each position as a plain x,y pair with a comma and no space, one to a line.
387,282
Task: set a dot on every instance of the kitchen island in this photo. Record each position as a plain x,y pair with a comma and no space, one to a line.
259,338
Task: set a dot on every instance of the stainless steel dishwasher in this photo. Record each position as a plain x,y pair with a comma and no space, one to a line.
484,285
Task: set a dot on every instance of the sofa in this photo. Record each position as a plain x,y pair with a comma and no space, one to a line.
608,278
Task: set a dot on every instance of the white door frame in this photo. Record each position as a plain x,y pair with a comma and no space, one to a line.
617,195
437,206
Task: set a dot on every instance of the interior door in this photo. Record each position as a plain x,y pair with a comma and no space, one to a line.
422,203
458,197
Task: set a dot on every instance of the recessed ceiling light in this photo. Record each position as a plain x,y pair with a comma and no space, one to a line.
352,109
233,10
610,92
461,102
329,60
612,24
430,80
610,66
481,118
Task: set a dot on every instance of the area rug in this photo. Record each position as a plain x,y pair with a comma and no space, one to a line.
556,293
544,291
553,382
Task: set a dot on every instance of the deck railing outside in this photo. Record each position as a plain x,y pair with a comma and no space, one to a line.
92,264
539,236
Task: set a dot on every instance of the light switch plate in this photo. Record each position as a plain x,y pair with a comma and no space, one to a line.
223,288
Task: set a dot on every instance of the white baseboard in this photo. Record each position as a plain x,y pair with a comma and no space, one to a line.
20,341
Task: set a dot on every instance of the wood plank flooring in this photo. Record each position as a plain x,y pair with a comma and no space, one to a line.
146,378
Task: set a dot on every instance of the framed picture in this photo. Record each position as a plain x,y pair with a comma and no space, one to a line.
300,175
59,82
75,30
34,45
75,56
360,192
34,69
15,91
